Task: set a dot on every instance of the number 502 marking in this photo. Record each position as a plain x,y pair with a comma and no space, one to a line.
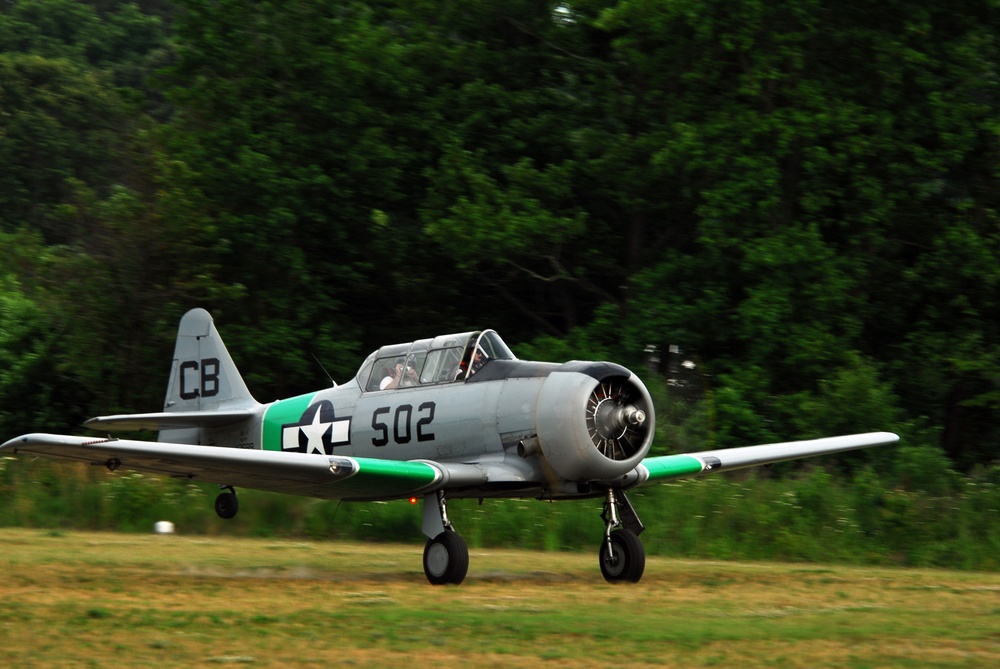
402,432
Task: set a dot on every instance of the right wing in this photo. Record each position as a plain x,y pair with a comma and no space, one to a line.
656,469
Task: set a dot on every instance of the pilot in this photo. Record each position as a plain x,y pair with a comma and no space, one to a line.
379,381
408,374
391,380
479,359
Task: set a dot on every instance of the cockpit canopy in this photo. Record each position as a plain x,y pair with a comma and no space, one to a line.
443,359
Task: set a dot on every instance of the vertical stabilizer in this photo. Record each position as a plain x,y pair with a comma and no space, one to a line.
203,376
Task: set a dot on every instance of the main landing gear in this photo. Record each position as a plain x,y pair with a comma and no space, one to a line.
446,557
623,559
622,556
226,504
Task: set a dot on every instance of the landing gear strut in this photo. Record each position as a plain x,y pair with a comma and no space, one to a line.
446,557
226,504
622,556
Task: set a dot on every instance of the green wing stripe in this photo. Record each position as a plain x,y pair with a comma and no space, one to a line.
670,466
385,479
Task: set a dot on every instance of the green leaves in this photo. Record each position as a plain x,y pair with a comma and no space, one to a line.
508,222
34,389
58,122
801,195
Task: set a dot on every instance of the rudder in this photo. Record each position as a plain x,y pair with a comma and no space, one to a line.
203,376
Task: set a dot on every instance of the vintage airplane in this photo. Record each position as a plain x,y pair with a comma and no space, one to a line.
450,417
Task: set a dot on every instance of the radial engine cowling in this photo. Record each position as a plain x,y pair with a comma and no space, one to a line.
595,421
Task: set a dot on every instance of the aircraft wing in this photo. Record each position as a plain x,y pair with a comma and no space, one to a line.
314,475
656,469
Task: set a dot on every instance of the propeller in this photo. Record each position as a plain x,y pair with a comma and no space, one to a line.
617,418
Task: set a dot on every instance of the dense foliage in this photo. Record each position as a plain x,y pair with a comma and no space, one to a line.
799,196
812,516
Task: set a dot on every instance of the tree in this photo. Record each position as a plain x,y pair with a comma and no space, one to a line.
110,236
35,389
61,123
71,79
827,153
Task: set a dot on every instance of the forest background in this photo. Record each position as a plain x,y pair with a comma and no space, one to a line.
784,212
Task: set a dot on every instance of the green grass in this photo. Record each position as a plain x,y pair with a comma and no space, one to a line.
808,517
97,599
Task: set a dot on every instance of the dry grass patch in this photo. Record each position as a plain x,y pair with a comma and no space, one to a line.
80,599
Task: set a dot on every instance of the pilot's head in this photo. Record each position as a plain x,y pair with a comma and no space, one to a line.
411,364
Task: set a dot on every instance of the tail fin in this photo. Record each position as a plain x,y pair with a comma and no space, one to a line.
206,392
203,376
203,379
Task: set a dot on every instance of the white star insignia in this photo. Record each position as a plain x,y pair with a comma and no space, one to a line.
315,432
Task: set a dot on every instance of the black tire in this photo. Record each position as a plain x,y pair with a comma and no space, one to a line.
626,560
446,559
226,505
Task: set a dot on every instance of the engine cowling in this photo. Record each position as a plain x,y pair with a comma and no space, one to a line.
595,421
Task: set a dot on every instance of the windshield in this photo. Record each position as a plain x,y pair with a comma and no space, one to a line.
444,359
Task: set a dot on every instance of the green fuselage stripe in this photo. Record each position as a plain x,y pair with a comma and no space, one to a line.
280,414
669,466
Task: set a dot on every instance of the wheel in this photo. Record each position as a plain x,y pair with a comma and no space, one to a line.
446,559
626,560
226,505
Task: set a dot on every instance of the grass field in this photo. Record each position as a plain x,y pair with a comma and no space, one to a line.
122,600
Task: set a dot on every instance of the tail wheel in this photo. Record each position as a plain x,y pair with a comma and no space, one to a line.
446,559
616,419
622,557
226,505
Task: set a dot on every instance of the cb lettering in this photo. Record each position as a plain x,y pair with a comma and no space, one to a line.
205,384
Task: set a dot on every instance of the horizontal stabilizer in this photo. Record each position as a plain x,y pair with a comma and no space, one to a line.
168,420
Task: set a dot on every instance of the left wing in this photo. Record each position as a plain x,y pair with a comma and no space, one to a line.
656,469
311,474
